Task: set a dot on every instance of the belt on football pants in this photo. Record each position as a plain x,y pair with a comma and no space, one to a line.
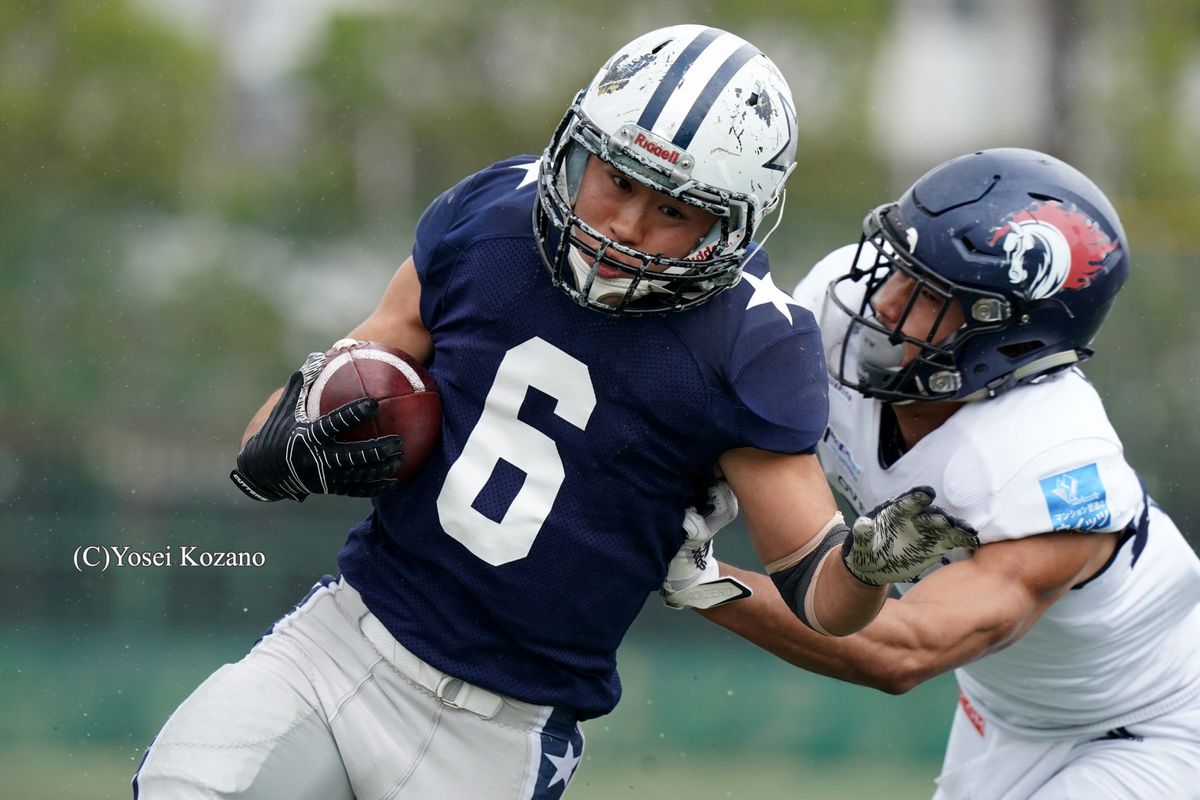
452,691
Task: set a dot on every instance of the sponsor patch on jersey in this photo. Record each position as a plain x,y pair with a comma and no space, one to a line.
1076,500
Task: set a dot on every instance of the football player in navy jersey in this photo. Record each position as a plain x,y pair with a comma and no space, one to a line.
601,360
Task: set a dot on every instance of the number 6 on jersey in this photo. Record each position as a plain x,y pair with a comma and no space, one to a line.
500,435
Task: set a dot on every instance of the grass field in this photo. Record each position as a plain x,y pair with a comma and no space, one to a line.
103,773
756,780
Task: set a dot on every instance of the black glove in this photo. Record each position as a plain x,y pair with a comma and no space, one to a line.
293,457
900,539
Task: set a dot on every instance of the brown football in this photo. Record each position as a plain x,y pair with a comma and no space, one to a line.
409,403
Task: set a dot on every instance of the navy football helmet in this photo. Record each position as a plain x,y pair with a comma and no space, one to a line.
1030,249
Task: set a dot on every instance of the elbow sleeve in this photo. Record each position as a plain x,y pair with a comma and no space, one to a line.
796,576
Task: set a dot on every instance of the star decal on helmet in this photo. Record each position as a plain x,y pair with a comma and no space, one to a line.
786,156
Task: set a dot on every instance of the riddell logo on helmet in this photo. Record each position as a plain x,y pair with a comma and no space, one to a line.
654,148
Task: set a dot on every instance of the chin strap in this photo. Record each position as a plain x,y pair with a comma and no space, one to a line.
759,245
1050,363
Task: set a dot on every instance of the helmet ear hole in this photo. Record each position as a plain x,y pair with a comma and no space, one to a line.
1018,349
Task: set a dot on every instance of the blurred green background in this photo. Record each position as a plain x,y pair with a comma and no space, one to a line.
196,194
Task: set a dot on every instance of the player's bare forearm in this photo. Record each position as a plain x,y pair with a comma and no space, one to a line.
786,503
958,614
260,416
846,602
896,651
766,620
396,321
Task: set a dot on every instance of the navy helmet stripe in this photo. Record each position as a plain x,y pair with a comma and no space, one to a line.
674,77
708,96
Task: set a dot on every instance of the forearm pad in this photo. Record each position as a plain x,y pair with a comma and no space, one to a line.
796,575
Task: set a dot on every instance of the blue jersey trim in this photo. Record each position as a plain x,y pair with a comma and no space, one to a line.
1138,530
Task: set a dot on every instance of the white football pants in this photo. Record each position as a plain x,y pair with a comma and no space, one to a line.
1153,760
328,705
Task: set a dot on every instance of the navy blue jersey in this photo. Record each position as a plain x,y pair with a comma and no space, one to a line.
571,443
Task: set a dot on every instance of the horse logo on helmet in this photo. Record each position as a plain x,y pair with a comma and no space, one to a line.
1052,246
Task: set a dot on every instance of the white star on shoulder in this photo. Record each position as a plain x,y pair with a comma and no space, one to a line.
531,173
564,765
765,291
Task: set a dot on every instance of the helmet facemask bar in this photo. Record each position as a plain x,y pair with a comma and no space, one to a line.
871,354
655,283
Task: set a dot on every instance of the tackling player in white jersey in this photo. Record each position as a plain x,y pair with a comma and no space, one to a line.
952,332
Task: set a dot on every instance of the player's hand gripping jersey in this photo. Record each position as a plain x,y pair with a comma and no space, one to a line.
1040,458
571,442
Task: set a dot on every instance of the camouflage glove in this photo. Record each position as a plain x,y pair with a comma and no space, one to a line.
902,538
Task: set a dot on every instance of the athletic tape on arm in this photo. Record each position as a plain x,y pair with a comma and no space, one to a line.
795,575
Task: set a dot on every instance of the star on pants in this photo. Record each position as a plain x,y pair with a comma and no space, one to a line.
564,765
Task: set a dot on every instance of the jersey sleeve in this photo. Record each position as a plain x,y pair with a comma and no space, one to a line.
783,402
777,371
434,252
1082,485
430,241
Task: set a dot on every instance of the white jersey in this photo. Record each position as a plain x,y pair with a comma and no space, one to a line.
1121,648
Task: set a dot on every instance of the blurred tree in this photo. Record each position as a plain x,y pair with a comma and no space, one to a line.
406,102
100,106
101,110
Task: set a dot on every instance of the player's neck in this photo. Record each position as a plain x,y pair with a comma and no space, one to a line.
918,420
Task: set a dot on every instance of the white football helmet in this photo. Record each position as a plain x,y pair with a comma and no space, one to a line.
691,111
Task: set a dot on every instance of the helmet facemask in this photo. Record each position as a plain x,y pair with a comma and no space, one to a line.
870,358
573,251
695,113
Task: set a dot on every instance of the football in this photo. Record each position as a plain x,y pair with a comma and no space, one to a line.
409,403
